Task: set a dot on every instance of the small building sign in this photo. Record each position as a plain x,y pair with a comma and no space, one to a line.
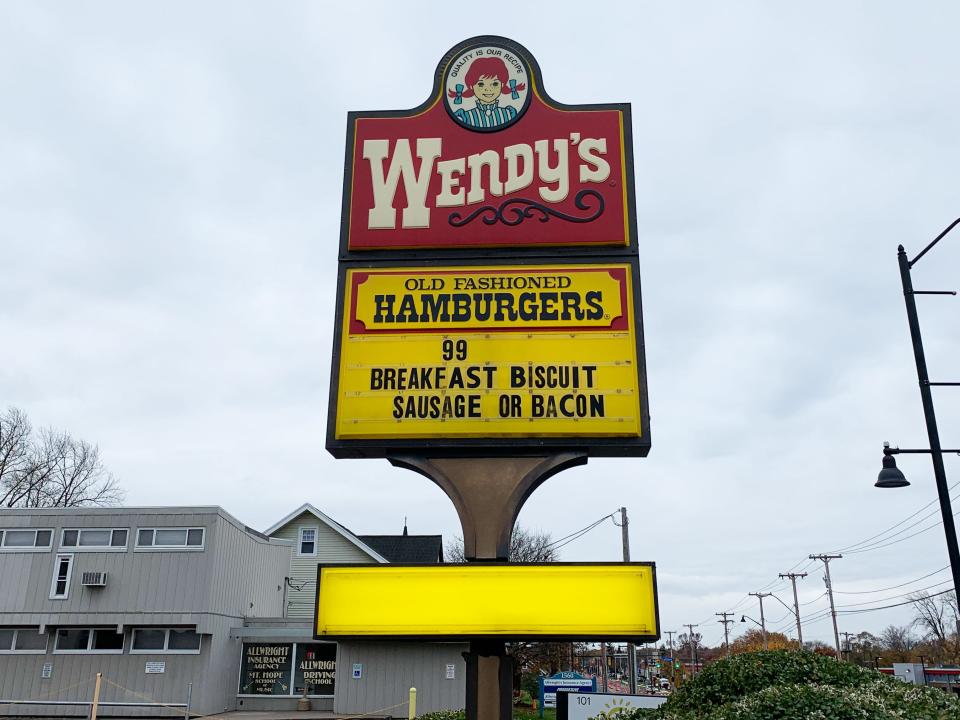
570,682
357,671
451,671
316,668
265,669
155,668
288,669
587,706
46,672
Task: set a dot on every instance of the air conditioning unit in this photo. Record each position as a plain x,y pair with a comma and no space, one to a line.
94,579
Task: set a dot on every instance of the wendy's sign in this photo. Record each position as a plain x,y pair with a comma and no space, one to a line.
489,161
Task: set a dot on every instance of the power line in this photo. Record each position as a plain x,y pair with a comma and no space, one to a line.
892,587
908,602
567,539
893,527
894,597
907,537
883,539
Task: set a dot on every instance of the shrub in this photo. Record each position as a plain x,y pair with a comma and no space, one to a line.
785,685
443,715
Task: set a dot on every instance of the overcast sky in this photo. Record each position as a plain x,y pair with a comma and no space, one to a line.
170,184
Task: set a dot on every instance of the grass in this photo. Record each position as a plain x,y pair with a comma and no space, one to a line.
528,714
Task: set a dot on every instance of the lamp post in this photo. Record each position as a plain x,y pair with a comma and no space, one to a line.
795,611
761,625
890,476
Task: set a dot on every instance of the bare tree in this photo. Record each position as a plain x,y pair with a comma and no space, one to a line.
938,617
898,639
16,457
528,657
525,546
51,469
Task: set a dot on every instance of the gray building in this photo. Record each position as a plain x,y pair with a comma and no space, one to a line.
371,677
171,603
145,596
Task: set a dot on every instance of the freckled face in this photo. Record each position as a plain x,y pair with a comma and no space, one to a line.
487,89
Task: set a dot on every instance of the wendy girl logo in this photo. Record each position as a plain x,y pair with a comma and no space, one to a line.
487,88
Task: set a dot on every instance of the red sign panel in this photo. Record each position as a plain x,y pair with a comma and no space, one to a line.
489,161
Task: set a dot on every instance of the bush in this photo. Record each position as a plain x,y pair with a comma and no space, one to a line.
443,715
790,685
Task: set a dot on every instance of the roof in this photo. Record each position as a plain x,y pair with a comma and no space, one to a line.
407,548
331,523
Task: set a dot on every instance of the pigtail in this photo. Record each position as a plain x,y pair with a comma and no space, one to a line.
460,93
512,89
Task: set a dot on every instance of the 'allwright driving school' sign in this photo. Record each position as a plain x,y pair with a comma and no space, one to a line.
489,291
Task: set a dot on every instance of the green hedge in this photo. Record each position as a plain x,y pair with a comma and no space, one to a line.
790,685
443,715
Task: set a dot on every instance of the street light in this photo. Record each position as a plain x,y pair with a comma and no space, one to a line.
890,475
761,625
795,611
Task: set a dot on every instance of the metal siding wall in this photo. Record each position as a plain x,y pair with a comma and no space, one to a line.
391,669
331,548
162,581
229,574
74,675
212,588
248,572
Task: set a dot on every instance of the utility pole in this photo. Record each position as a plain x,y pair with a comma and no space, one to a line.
631,651
673,660
603,662
693,649
796,605
726,629
763,621
833,610
846,640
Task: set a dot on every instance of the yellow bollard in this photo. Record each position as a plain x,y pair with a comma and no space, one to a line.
412,713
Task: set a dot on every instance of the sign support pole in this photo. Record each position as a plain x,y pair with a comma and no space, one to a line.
488,494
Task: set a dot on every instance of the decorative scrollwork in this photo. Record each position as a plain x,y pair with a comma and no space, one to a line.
516,210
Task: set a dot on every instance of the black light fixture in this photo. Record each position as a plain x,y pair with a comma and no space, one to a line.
743,618
890,476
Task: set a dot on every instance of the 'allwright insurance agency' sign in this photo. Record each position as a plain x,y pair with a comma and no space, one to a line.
489,293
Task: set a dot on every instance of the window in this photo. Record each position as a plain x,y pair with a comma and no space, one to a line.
165,640
308,541
95,539
88,640
25,540
170,538
62,569
22,640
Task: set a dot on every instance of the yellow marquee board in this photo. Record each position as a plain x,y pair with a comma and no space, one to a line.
475,601
479,353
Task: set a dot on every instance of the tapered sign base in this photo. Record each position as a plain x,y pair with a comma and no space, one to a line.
488,494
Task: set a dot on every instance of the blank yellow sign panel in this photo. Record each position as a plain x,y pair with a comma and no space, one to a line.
556,600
